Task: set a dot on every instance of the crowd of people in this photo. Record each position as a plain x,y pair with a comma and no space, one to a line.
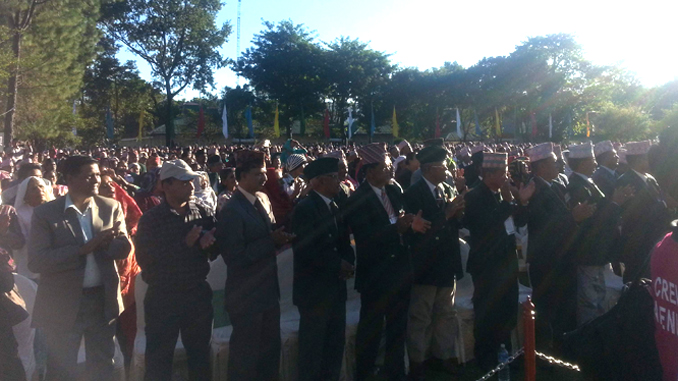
83,224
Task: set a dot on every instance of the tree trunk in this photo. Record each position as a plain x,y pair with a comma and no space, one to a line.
169,125
12,87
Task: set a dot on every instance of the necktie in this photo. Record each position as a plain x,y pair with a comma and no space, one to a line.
387,205
439,198
335,213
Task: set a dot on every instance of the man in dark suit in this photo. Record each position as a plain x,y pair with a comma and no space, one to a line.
551,225
605,176
436,263
73,245
645,217
323,261
592,247
492,261
249,246
383,275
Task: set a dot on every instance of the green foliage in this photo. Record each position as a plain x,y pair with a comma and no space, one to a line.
622,123
178,39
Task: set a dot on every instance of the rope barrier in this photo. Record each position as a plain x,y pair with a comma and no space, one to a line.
503,365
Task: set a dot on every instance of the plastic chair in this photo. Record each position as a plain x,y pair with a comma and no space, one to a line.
23,332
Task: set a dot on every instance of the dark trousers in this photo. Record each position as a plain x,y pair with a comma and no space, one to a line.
375,308
555,300
255,346
11,368
168,314
63,346
322,336
495,310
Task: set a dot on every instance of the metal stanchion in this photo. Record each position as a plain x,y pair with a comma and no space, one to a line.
528,325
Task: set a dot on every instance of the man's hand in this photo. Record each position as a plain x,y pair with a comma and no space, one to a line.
623,194
456,207
346,271
193,235
583,211
506,191
419,224
460,182
208,239
404,222
280,237
525,192
101,240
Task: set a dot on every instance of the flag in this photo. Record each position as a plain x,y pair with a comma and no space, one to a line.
349,123
459,133
224,122
533,120
550,127
250,127
141,125
109,124
74,129
276,123
479,132
201,122
373,125
588,126
497,123
326,124
394,125
437,133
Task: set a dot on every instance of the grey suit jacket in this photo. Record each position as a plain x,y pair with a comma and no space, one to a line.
56,237
245,242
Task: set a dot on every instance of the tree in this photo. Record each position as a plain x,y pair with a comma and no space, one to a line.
178,39
286,65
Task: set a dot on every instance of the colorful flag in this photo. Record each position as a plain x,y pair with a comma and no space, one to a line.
373,125
394,124
497,123
201,122
224,122
109,124
326,124
459,133
588,126
250,127
141,125
276,123
550,127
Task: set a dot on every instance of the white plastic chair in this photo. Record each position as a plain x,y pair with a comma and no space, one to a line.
221,336
24,334
138,367
463,305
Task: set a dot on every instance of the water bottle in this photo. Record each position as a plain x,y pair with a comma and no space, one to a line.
502,356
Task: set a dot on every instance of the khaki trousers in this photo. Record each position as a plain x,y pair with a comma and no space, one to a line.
430,325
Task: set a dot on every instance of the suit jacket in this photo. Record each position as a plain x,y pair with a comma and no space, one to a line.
244,237
319,248
383,260
645,220
436,259
56,237
491,246
606,181
596,237
551,228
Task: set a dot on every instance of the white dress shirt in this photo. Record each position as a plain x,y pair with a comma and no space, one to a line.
92,273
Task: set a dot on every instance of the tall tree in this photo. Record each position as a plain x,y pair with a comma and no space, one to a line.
287,65
177,38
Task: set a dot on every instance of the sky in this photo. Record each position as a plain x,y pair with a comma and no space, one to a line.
426,33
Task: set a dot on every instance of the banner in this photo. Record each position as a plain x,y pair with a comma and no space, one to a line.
250,127
394,124
224,122
276,123
141,125
326,124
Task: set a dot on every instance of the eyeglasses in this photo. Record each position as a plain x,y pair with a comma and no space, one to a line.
332,176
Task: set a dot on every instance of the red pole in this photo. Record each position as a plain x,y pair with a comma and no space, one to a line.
528,325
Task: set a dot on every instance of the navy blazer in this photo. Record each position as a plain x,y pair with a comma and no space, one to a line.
383,260
436,258
320,246
606,181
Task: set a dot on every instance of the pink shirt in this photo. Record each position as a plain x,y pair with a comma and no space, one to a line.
664,270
